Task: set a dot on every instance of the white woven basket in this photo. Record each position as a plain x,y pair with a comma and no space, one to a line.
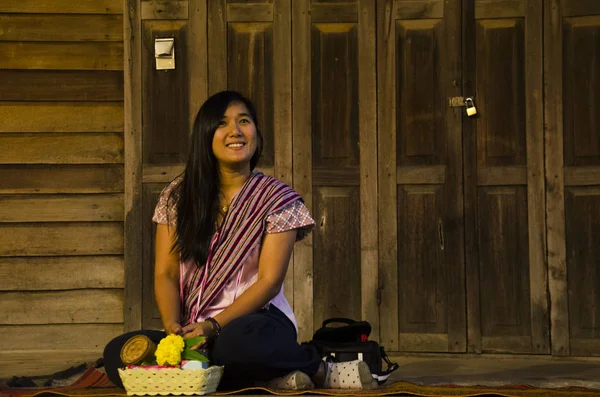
176,381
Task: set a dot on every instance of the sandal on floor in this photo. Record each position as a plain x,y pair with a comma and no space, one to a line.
349,375
296,380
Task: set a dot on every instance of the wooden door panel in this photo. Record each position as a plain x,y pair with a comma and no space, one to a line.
573,173
500,93
337,286
582,216
420,194
503,251
335,157
504,211
249,52
335,160
422,304
581,38
165,93
150,314
250,61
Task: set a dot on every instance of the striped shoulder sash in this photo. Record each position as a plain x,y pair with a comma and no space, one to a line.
242,228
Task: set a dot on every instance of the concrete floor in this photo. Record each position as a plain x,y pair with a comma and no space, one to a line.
498,370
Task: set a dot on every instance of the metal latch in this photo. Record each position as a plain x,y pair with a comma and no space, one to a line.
456,101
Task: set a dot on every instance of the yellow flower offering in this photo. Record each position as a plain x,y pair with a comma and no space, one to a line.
168,351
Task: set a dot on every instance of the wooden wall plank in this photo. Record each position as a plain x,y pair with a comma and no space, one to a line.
502,176
132,105
469,147
555,200
419,342
334,13
62,6
198,62
61,208
386,145
421,175
50,85
217,48
367,83
500,9
581,7
62,56
62,307
507,344
302,148
282,109
164,10
253,12
29,364
582,176
61,117
51,28
433,9
455,239
57,148
76,238
57,337
27,179
536,205
60,273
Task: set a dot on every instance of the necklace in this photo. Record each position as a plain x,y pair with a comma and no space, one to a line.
224,209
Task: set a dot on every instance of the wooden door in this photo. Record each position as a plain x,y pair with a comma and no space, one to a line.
572,72
219,45
169,99
421,247
503,177
335,160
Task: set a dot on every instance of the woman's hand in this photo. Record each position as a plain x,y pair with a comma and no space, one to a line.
173,329
203,328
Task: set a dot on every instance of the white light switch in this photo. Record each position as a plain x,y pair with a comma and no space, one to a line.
164,53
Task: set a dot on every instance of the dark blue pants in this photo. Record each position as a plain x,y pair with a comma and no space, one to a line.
253,348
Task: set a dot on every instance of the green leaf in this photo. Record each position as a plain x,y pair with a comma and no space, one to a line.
149,363
189,354
193,341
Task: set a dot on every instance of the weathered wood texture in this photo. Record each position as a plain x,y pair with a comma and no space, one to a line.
41,273
420,192
302,157
61,191
249,51
504,200
132,105
572,159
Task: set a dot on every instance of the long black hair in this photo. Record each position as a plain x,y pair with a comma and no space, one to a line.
197,196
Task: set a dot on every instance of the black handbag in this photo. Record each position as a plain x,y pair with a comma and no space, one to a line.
350,342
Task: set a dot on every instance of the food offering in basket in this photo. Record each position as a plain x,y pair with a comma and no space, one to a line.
172,367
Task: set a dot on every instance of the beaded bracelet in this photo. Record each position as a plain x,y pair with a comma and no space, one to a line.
215,324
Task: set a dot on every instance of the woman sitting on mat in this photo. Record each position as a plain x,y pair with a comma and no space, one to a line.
224,239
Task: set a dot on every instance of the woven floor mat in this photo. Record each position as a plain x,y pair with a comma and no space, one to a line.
94,383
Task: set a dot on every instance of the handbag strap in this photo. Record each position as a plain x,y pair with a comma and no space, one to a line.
391,367
338,320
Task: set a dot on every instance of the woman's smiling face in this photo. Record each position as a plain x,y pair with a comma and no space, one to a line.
235,140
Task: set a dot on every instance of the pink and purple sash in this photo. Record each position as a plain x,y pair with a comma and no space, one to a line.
242,228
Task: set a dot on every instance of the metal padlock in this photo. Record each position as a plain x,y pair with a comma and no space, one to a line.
471,109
